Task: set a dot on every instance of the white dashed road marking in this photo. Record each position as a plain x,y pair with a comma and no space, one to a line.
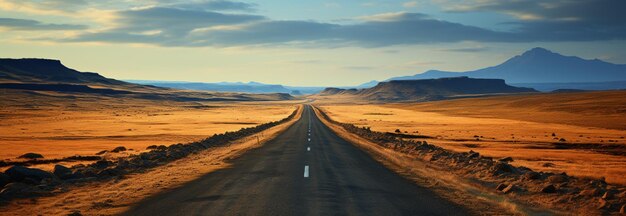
306,171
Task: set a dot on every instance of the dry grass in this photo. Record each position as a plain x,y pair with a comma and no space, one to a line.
116,196
517,126
447,185
65,125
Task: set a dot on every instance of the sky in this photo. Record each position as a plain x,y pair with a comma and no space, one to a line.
303,43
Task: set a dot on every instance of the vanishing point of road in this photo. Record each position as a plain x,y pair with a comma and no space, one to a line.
306,170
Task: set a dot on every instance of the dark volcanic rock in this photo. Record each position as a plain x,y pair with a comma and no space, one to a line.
501,168
548,189
118,149
19,173
62,172
531,175
4,179
506,159
560,178
31,156
501,187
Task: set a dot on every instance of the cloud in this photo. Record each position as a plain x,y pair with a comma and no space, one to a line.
467,49
218,5
33,25
410,4
549,20
180,26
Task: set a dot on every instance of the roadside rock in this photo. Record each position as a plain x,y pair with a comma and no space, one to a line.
473,155
509,188
110,172
506,159
590,192
501,168
560,178
548,189
19,173
603,203
4,179
101,164
118,149
19,190
531,175
31,156
62,172
152,147
501,187
75,213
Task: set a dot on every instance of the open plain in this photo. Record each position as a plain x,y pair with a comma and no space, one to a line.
59,125
582,134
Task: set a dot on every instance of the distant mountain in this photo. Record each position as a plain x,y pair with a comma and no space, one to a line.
249,87
539,65
224,87
50,75
48,70
430,89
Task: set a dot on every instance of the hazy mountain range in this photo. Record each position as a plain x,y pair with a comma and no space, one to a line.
544,70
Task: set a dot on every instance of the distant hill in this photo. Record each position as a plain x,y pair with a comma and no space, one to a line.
50,75
48,70
430,89
249,87
540,67
224,87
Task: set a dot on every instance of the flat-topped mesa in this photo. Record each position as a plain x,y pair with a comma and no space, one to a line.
46,70
429,89
337,91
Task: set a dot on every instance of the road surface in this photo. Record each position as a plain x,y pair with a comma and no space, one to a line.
306,170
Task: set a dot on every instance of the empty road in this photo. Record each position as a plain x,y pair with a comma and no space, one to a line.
306,170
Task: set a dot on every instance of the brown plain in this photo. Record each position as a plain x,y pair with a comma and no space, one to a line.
591,124
58,125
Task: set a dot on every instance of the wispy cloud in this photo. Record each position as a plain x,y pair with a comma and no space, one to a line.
34,25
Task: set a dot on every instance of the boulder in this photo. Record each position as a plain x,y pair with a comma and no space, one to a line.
75,213
501,187
560,178
118,149
501,168
509,188
62,172
102,152
531,175
101,164
31,156
19,173
506,159
4,179
548,189
473,155
590,192
14,189
602,203
110,172
152,147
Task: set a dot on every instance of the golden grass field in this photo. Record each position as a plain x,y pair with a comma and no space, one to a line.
519,126
120,194
65,125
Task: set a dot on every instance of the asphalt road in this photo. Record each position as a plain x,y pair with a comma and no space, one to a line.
300,174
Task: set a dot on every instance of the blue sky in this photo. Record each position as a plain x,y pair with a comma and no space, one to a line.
305,43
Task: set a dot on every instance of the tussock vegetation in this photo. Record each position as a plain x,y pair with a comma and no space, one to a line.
571,195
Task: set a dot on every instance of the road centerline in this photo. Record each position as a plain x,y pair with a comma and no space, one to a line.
306,171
